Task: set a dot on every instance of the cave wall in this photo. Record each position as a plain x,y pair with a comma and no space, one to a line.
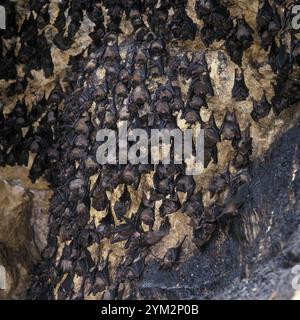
24,203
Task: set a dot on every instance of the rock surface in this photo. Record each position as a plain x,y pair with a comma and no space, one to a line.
250,257
23,231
